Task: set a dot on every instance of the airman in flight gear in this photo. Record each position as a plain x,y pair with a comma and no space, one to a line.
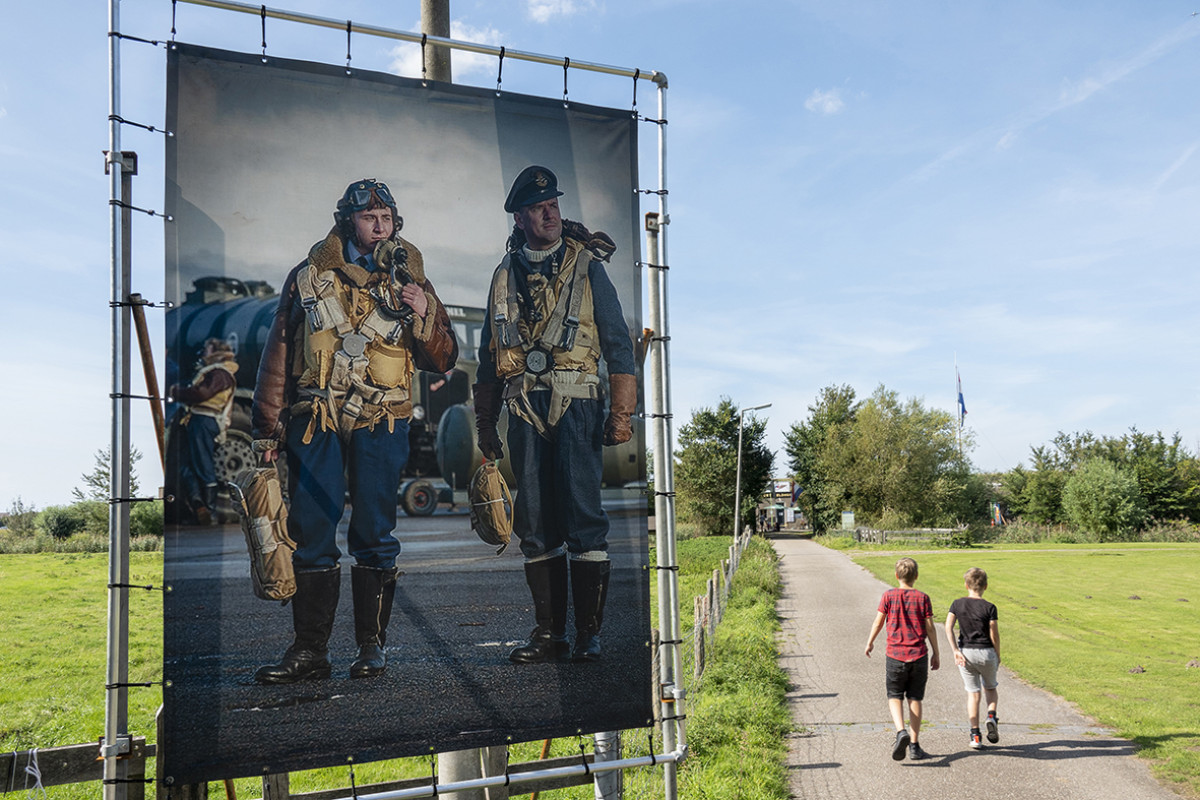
552,315
355,319
208,403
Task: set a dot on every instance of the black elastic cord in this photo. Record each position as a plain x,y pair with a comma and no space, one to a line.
111,781
353,788
115,500
152,213
674,568
651,191
652,119
135,586
500,71
424,39
659,416
677,716
347,45
664,494
432,762
566,66
154,42
263,15
587,770
637,73
147,685
123,396
151,128
651,266
143,303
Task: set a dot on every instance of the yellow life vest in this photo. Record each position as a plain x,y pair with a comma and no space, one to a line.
356,362
556,347
220,405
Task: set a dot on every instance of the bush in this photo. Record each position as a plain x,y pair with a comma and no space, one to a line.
146,519
62,522
1105,499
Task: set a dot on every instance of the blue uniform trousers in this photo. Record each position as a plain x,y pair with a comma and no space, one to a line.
318,476
558,482
197,468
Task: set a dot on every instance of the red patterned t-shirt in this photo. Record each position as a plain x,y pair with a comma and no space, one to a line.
906,611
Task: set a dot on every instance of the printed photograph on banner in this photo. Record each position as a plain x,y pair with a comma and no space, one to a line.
406,473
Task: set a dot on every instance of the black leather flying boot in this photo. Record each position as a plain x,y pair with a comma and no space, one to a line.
313,609
548,584
589,589
374,591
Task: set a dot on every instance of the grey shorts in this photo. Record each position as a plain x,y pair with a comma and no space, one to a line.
981,668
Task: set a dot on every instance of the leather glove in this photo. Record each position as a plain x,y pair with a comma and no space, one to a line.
488,397
621,405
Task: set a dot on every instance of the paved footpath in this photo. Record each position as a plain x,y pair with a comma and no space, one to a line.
842,747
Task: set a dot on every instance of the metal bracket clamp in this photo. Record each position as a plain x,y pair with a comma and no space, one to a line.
122,747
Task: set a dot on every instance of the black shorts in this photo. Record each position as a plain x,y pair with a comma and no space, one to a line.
907,678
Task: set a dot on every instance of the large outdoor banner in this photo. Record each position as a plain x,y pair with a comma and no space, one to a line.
262,152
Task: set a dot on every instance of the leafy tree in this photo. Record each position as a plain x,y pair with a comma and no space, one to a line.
1041,499
706,467
97,483
1165,472
1103,498
901,460
822,497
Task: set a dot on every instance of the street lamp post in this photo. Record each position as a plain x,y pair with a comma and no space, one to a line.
737,485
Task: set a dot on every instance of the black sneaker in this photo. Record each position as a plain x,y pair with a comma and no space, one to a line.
901,745
976,742
916,753
993,732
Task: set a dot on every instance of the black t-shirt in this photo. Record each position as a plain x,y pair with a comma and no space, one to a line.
974,615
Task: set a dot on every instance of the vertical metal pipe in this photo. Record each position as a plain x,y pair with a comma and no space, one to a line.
664,480
608,785
116,738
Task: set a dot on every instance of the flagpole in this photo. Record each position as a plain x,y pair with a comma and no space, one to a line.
957,403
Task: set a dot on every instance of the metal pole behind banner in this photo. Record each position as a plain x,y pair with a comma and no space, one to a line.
671,693
116,737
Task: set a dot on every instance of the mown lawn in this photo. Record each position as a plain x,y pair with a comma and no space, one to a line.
1113,628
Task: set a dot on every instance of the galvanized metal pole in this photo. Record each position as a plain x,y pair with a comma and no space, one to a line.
608,785
116,737
672,691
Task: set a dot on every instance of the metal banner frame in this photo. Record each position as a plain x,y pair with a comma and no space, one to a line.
120,168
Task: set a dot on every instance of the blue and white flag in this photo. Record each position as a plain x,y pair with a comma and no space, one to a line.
962,407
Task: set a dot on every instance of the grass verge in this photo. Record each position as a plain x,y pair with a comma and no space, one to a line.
1111,628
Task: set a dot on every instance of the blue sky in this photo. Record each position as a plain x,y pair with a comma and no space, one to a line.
859,194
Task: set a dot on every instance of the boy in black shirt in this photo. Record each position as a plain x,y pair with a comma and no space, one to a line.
976,651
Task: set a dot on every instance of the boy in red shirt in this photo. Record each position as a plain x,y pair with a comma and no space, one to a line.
909,617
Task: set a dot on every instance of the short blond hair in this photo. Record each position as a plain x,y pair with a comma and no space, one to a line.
906,569
976,579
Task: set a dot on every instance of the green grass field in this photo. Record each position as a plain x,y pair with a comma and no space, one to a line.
52,657
1076,619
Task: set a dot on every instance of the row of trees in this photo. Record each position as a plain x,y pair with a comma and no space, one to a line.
898,464
1110,486
88,514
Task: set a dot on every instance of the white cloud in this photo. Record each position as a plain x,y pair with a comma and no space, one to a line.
825,102
546,10
406,58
